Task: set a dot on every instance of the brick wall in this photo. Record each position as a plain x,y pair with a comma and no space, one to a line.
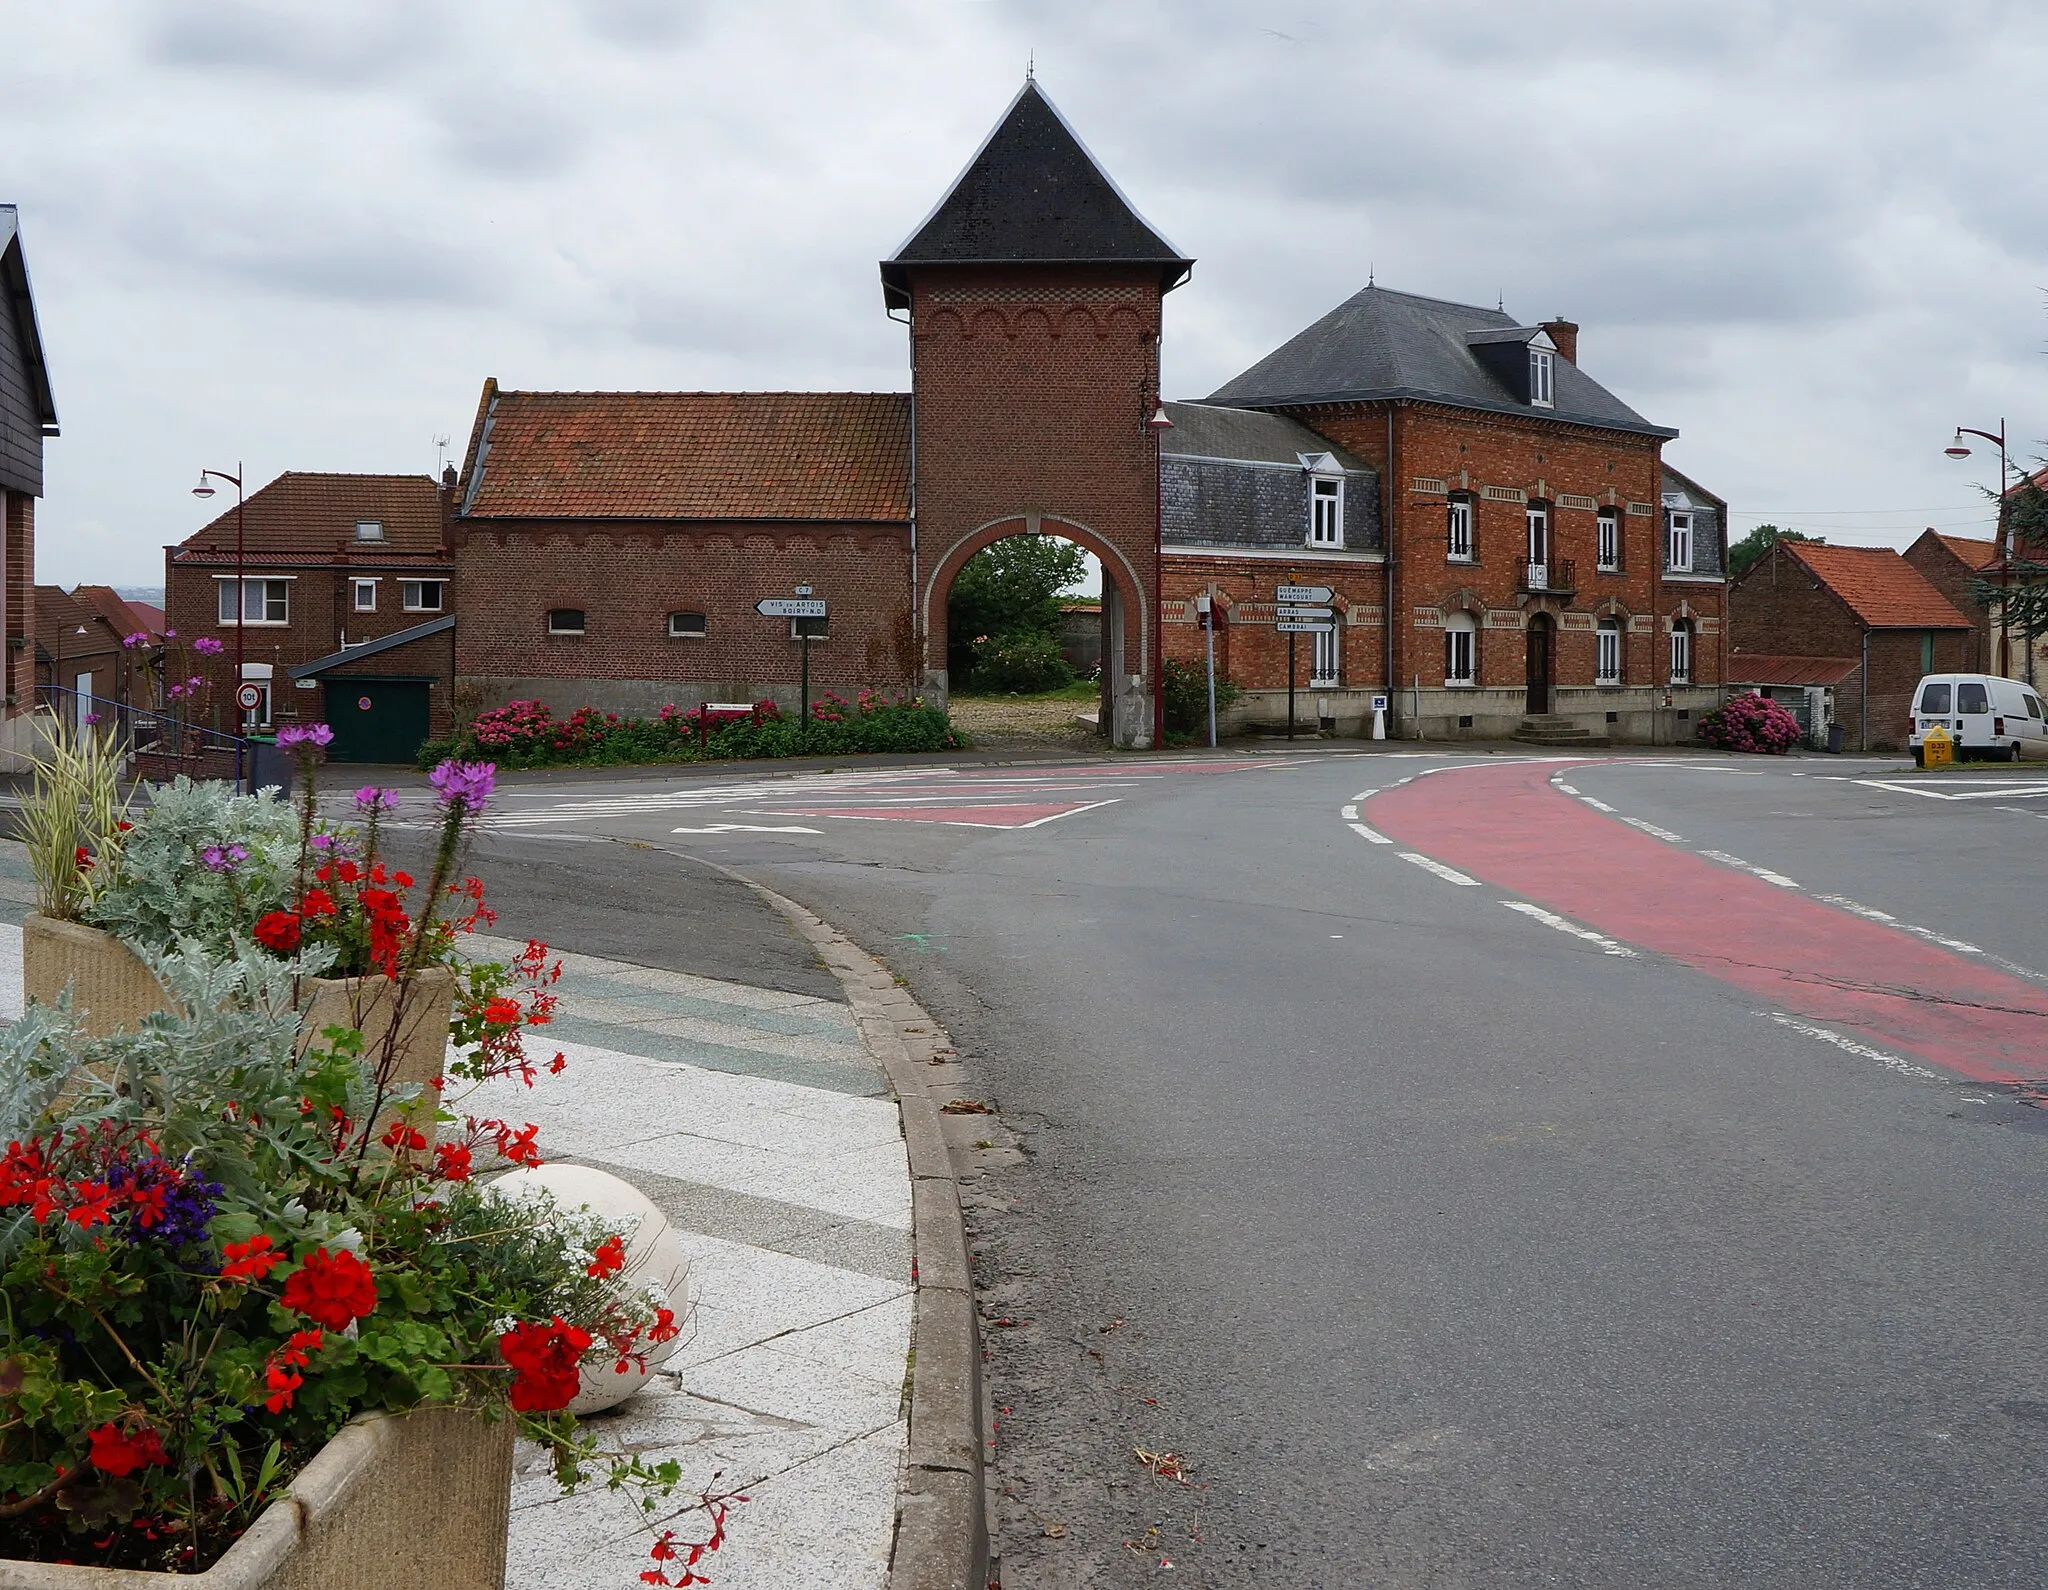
629,577
1032,388
1250,650
19,511
1957,581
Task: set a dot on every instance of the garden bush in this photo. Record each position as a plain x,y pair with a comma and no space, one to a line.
1187,696
1023,663
1750,723
528,734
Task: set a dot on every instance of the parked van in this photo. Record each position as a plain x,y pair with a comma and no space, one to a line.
1987,715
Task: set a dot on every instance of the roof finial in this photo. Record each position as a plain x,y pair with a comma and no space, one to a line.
1030,65
1371,273
1500,302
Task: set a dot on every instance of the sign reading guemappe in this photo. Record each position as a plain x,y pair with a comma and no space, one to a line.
1303,593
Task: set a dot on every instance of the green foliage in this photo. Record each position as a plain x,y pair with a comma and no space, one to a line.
1019,662
1187,696
1741,554
72,821
2020,598
164,892
1010,588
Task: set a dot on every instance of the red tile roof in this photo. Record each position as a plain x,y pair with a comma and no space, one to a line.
1977,554
304,516
693,455
127,618
1881,588
1759,668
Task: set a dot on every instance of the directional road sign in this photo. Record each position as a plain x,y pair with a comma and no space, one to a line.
1290,611
791,607
1303,628
1303,593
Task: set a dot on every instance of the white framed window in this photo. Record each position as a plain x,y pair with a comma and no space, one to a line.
1681,651
1538,514
1327,661
815,628
1678,541
565,621
420,596
1607,652
1458,544
366,596
263,601
369,529
1608,551
1326,513
1540,372
1461,643
687,626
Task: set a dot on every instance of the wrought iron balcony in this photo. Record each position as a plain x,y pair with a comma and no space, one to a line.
1556,578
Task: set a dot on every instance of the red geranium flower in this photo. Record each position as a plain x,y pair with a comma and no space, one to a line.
334,1289
249,1261
608,1259
544,1360
117,1453
451,1161
278,931
318,902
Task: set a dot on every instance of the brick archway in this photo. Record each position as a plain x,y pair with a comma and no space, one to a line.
1133,593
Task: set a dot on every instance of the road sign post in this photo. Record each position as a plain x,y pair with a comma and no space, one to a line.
801,606
1205,610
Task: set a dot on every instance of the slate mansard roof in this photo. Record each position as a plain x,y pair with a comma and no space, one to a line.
28,410
1236,479
1380,344
689,455
1032,195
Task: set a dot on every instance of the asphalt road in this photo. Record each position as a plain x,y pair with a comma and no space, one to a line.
1537,1198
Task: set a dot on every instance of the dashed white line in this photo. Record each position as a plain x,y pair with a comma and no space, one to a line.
1871,913
1367,834
1448,874
1764,873
1890,1062
1567,788
1365,794
1565,925
1598,806
1654,831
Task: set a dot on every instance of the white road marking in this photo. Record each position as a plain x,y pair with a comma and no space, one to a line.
1598,806
1365,795
1890,1062
1448,874
1366,833
1654,831
1764,873
1960,790
1349,813
1870,913
1564,925
1567,788
738,828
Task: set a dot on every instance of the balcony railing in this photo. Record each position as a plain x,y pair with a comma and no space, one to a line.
1555,577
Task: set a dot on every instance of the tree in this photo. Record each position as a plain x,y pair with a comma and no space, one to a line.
1759,541
2020,595
1010,588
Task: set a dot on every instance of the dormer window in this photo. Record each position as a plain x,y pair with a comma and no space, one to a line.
1678,539
369,529
1326,512
1540,370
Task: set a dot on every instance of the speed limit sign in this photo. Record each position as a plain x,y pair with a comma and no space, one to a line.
249,697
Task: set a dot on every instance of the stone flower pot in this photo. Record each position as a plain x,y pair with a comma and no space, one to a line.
421,1005
111,988
394,1502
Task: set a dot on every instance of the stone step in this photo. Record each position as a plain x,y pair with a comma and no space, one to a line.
1566,737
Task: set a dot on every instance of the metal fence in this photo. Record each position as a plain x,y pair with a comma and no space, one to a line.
162,745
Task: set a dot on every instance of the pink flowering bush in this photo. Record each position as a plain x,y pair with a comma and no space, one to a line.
1750,723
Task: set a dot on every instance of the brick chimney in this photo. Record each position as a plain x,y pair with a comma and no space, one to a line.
1565,333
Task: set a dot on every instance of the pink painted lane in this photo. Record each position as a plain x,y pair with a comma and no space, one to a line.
1508,827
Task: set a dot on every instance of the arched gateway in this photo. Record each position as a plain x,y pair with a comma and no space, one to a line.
1033,293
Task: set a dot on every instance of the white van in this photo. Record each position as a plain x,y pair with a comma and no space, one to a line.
1989,716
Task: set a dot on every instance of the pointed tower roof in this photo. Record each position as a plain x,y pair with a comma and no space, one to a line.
1032,195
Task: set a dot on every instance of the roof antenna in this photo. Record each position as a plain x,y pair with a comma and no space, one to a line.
1030,65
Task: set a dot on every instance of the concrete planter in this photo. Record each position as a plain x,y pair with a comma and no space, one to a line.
391,1503
111,987
371,1005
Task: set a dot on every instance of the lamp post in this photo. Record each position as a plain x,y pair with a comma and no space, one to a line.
2001,553
241,585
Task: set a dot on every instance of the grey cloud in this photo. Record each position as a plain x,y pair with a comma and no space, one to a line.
361,42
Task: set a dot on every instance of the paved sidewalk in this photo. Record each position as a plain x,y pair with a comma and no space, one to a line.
759,1124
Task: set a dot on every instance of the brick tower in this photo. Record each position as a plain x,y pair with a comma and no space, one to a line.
1034,293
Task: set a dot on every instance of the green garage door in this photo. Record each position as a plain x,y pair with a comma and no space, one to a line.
376,720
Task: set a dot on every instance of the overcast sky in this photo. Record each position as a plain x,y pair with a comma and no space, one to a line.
1809,235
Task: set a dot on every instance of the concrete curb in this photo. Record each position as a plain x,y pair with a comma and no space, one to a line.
941,1511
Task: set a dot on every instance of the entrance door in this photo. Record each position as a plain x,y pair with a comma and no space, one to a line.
1539,644
376,720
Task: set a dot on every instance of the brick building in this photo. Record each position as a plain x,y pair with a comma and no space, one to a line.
346,611
84,663
1805,602
1544,568
28,414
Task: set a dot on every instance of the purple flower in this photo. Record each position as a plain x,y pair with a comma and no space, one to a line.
222,858
466,784
323,841
310,734
92,717
372,799
189,1205
207,646
139,638
170,634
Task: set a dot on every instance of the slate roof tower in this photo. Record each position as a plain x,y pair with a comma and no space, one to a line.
1033,293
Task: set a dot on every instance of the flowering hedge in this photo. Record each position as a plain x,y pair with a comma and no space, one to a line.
1750,723
528,734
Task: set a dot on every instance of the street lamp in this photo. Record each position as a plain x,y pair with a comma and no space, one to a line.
241,585
1961,449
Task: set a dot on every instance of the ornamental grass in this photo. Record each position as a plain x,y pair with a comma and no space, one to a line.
219,1243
